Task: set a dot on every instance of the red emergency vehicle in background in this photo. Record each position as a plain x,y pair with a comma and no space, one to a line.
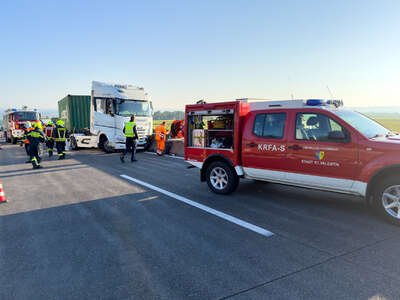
14,123
311,143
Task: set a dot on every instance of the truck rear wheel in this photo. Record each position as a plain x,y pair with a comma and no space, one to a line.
221,178
387,199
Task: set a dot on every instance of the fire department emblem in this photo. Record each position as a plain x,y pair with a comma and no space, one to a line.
320,155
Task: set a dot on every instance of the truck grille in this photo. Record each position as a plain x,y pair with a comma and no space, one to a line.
141,132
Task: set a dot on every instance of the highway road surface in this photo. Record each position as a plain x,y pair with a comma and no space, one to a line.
90,227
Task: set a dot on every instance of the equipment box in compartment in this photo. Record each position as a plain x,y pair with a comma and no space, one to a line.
211,129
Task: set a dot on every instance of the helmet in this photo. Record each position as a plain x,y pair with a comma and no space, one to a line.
28,124
60,122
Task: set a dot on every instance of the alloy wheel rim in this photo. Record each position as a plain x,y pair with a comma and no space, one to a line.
391,201
219,178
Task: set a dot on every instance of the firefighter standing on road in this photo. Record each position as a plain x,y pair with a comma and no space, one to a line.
60,135
49,129
131,137
161,137
27,129
35,137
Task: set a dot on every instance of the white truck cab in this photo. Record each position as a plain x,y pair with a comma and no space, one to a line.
111,106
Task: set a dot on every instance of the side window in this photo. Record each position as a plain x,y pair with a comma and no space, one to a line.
101,105
319,127
270,126
259,125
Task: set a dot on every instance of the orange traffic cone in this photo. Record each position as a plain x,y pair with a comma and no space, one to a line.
2,194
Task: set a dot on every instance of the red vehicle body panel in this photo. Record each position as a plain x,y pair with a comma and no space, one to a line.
355,161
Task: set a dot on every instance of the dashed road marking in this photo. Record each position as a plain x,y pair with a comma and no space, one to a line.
205,208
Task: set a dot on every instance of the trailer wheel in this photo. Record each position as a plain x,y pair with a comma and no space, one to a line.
221,178
387,199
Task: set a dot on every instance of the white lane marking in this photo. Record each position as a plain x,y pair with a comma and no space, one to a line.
167,155
210,210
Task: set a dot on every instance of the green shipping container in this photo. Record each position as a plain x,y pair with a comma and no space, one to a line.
75,111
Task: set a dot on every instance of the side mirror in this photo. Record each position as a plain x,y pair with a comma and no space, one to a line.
337,135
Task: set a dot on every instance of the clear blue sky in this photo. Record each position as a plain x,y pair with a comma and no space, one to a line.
182,51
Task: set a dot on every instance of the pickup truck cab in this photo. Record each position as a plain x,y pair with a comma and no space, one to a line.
311,143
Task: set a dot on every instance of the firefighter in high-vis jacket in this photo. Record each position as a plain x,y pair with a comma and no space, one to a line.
60,135
48,131
27,128
35,137
131,137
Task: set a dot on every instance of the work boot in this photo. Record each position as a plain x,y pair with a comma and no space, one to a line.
37,167
133,159
122,158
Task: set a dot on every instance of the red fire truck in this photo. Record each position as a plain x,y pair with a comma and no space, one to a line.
14,123
310,143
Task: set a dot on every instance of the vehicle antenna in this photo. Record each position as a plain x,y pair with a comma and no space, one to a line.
330,92
291,88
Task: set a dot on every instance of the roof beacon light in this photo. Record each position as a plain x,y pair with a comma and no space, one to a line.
321,102
315,102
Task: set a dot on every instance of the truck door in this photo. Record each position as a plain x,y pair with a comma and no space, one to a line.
264,145
104,120
321,152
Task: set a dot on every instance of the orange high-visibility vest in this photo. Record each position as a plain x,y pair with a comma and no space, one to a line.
161,132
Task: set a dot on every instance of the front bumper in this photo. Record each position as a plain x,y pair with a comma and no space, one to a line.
17,133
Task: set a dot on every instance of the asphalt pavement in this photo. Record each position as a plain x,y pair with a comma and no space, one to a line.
78,229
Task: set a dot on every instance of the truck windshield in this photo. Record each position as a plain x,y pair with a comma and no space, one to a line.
25,116
365,125
134,107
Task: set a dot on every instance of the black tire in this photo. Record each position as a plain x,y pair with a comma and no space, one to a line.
73,144
106,146
388,186
230,176
148,143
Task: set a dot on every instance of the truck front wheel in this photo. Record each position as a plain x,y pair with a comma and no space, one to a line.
73,143
221,178
387,199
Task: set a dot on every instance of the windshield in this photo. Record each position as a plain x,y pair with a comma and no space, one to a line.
134,107
365,125
25,116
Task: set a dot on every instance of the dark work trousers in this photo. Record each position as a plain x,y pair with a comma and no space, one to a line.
130,146
50,146
60,149
34,154
27,149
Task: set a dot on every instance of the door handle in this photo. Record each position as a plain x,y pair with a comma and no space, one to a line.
252,145
295,147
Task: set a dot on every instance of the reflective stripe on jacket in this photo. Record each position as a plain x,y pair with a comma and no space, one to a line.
49,132
61,135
